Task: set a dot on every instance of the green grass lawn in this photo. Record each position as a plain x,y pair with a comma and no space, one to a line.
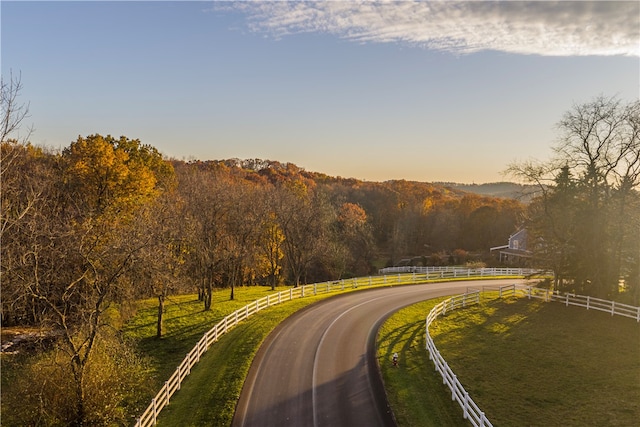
185,323
523,362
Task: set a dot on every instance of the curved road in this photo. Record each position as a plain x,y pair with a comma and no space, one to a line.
318,368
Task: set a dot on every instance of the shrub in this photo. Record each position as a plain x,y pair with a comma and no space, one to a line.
114,386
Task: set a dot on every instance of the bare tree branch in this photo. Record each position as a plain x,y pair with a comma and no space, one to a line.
13,113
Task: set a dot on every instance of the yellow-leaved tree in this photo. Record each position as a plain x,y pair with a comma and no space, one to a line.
77,261
270,254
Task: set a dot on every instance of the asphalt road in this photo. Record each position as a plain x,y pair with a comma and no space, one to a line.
318,368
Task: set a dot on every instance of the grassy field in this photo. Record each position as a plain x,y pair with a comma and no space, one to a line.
523,362
185,323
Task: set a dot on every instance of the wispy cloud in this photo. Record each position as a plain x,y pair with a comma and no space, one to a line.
541,28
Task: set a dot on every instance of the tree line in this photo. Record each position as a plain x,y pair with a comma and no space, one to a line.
111,212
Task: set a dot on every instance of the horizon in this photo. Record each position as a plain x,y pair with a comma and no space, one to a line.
417,91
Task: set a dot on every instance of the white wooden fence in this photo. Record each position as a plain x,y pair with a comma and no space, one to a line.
458,393
590,303
462,271
470,409
150,415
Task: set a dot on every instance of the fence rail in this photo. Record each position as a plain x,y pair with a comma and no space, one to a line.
150,415
470,409
590,303
462,271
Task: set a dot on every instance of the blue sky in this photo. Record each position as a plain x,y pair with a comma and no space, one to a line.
426,91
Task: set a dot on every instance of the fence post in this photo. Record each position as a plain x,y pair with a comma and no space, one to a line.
455,384
465,408
613,307
566,299
166,392
179,376
155,412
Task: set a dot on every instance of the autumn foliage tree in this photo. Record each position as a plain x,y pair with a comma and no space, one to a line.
270,252
70,253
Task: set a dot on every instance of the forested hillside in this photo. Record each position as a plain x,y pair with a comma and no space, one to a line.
114,210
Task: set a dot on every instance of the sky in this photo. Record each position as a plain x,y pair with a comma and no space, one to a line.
440,91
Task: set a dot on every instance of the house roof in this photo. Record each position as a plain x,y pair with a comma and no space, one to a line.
516,252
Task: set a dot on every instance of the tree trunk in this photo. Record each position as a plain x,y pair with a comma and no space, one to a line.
207,291
161,298
78,370
234,276
201,291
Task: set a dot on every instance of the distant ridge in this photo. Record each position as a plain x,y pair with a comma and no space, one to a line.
507,190
504,190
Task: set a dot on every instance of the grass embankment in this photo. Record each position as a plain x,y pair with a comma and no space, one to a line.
415,391
524,362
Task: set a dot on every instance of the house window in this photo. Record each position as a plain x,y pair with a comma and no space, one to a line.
516,244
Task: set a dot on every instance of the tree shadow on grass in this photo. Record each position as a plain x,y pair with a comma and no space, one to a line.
401,340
